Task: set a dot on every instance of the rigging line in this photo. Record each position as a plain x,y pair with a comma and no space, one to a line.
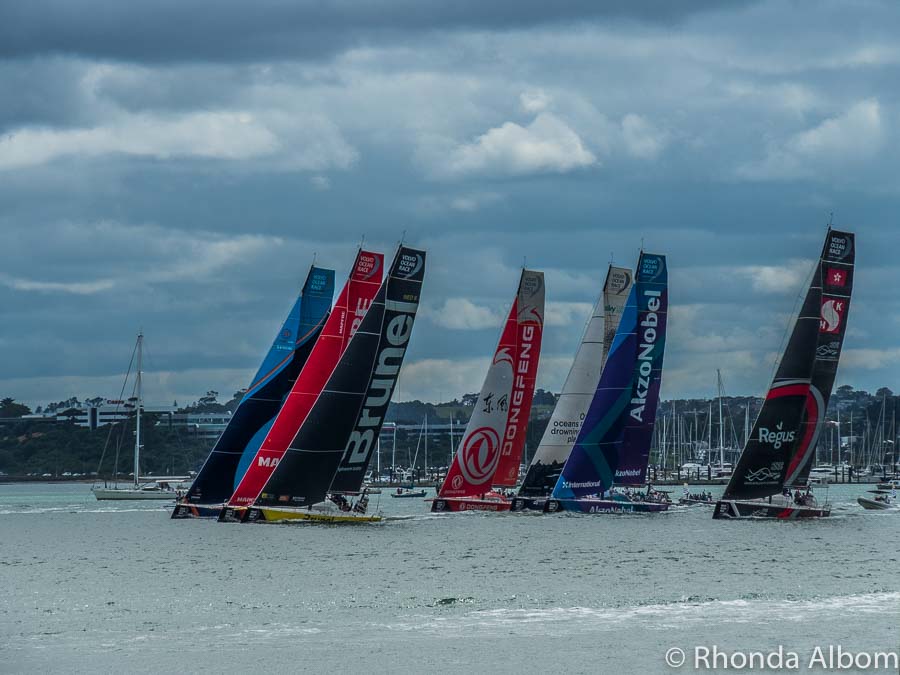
113,424
795,314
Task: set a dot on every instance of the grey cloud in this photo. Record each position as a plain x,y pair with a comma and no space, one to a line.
168,30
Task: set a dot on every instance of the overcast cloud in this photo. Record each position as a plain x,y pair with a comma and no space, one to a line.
176,166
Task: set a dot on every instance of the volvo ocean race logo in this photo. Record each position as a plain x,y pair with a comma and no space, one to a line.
381,384
832,314
839,247
646,352
532,284
651,266
479,456
777,437
619,281
409,265
368,265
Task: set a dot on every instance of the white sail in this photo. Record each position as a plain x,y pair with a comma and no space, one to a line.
580,384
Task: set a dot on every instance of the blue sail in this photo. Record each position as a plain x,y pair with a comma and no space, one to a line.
613,445
240,440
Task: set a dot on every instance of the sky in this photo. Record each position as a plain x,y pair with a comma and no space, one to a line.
175,167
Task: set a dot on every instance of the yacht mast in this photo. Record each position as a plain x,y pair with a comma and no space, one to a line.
140,404
721,424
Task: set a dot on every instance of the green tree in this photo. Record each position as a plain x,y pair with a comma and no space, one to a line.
9,408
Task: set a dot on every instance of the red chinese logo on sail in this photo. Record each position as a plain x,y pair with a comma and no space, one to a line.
832,315
480,454
836,277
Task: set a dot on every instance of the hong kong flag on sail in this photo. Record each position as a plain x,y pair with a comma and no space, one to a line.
836,277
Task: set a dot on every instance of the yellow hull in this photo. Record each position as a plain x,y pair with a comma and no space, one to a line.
275,515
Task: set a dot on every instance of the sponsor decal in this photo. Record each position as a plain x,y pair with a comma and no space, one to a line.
532,284
762,475
286,333
368,266
409,265
502,355
832,314
828,350
650,267
362,306
628,473
268,462
513,421
457,482
776,438
838,247
646,354
381,384
479,456
836,277
619,282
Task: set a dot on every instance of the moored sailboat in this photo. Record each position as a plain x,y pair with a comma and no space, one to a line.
609,459
778,454
330,454
251,421
577,392
491,447
157,488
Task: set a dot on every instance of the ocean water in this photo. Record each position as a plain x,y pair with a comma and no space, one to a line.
93,586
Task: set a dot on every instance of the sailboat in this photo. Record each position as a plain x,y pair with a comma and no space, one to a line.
346,316
491,447
611,453
410,491
577,392
779,452
328,458
152,489
250,422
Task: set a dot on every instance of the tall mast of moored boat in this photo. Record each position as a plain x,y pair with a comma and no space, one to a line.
721,422
140,403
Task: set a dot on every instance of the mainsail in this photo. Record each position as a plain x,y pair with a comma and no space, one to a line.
479,451
835,269
347,314
346,416
579,387
780,447
613,444
251,420
529,330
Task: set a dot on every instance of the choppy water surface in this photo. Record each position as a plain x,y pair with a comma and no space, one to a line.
105,586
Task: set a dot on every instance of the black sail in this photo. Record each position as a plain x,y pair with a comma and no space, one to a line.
354,400
836,275
778,430
399,314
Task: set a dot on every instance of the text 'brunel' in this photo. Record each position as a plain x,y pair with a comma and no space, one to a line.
381,387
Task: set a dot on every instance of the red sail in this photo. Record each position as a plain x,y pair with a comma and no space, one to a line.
346,316
478,453
530,327
489,433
